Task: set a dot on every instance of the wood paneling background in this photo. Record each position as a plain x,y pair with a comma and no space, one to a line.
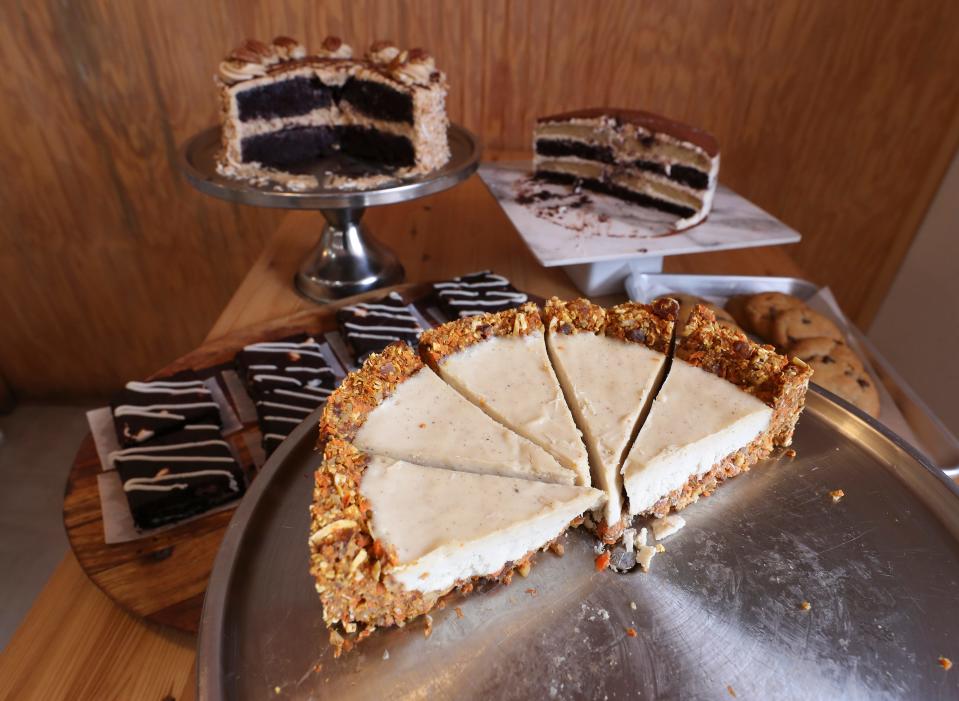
838,117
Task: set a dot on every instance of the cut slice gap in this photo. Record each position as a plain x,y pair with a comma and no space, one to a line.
396,407
499,362
447,526
695,422
725,405
610,364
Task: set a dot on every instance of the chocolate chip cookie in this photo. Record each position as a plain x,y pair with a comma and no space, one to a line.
793,325
761,310
838,369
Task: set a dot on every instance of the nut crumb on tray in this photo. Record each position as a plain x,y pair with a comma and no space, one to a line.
837,495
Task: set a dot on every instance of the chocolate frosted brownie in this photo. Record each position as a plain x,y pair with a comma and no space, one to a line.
287,380
369,327
178,475
477,293
147,409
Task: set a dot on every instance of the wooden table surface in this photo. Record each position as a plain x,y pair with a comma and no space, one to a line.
75,643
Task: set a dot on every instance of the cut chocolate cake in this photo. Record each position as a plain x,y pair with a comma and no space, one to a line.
287,380
636,156
283,109
147,409
369,327
178,475
477,293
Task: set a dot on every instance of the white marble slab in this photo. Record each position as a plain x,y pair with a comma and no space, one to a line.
566,227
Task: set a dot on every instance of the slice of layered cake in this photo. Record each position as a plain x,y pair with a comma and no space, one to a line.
636,156
282,109
499,362
397,407
389,537
610,363
727,402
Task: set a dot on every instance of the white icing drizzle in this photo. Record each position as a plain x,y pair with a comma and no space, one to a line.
152,484
291,407
153,409
139,450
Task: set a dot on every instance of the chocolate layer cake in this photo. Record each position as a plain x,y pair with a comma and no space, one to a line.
283,109
178,475
477,293
636,156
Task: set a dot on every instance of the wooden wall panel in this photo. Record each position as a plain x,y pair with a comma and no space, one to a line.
838,117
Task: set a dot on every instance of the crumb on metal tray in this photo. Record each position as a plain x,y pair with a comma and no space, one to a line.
805,606
837,495
945,663
631,632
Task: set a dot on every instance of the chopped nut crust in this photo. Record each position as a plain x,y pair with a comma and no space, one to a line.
365,389
757,369
575,316
649,324
442,341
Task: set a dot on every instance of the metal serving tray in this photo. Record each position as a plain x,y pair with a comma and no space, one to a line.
902,409
718,615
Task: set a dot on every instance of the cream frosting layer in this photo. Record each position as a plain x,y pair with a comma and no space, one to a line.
512,380
696,420
609,384
428,422
448,526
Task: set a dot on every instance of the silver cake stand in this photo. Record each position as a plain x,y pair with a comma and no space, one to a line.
347,260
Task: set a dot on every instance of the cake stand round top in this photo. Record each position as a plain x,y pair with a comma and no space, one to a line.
198,161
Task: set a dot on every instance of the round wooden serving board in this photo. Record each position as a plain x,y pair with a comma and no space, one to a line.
163,577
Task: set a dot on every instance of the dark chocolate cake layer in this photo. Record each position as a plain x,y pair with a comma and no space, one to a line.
290,147
620,192
378,101
285,98
477,293
390,150
184,475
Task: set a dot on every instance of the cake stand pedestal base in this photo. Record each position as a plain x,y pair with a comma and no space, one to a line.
347,260
608,276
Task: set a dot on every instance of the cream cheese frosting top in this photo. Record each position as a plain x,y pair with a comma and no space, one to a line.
428,422
511,378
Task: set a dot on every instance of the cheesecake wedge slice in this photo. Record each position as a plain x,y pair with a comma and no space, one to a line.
499,362
390,537
610,363
726,404
397,407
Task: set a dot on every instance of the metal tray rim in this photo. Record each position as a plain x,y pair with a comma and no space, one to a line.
209,684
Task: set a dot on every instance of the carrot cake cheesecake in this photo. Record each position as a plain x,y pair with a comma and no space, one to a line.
499,362
610,363
389,537
727,402
397,407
